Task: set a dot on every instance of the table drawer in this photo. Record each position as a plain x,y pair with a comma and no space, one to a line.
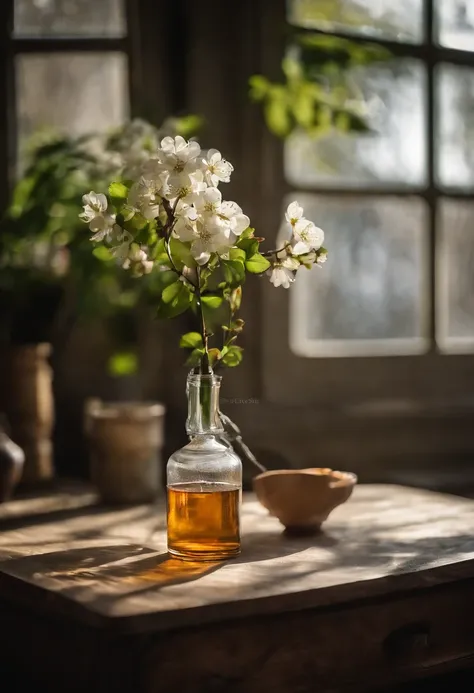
330,649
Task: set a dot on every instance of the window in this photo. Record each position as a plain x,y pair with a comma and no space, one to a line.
395,202
390,317
69,60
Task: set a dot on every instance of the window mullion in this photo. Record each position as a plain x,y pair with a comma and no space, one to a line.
72,44
431,192
7,103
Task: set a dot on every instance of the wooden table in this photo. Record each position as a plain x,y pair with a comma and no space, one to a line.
90,600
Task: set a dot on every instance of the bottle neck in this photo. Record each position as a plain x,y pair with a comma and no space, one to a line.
203,405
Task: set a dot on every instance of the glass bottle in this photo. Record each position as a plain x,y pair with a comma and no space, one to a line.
204,482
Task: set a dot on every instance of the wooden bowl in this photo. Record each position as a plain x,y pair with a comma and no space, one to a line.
303,498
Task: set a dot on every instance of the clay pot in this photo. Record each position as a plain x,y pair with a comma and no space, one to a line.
303,498
12,459
29,407
125,443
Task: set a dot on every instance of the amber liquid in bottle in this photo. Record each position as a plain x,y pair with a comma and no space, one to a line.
203,520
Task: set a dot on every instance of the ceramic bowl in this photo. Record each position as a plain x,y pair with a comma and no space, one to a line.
302,499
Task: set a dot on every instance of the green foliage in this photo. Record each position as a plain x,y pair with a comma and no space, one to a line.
181,254
234,271
123,363
118,193
212,302
171,291
195,357
177,304
233,357
256,264
188,126
317,95
102,253
191,340
249,246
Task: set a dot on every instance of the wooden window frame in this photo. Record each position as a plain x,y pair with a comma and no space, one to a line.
344,382
150,85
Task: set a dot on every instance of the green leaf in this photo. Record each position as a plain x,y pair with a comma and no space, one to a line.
248,233
125,214
233,356
191,340
159,253
136,224
102,253
249,245
211,301
194,358
234,271
118,194
171,291
277,112
237,254
257,264
123,363
188,126
181,254
303,107
180,303
164,279
259,86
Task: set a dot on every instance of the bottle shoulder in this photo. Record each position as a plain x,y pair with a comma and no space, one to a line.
205,448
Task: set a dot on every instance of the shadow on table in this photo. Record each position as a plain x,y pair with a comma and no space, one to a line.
112,572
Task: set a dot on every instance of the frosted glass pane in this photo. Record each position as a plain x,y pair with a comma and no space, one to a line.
455,22
394,152
72,93
455,277
69,18
455,106
399,20
371,296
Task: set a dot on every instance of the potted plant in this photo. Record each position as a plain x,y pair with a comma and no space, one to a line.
49,278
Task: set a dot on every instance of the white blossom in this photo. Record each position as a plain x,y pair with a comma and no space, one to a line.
185,187
294,212
179,159
216,169
138,261
205,238
144,196
307,236
94,204
283,272
95,214
208,202
123,241
102,227
230,215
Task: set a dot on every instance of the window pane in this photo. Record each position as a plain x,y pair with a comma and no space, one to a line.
400,20
455,24
69,18
370,297
71,93
455,106
394,152
455,278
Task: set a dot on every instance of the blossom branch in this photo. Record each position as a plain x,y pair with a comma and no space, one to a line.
204,240
276,251
205,367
